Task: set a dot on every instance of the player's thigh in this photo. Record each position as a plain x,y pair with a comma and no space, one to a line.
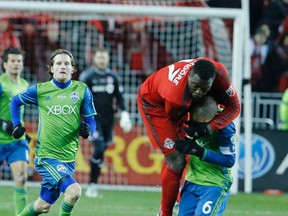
212,200
73,189
176,160
52,171
108,133
17,151
73,193
162,133
42,206
188,200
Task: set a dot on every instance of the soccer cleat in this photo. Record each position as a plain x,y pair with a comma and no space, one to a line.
92,192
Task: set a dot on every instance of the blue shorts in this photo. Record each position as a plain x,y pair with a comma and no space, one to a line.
15,151
52,171
202,200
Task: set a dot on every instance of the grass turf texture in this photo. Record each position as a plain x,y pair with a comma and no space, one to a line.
146,203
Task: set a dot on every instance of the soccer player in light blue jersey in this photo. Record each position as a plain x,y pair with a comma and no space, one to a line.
14,152
208,176
62,103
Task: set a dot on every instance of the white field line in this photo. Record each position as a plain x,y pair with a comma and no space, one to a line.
100,186
262,213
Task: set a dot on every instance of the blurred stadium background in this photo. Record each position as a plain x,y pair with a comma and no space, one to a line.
138,46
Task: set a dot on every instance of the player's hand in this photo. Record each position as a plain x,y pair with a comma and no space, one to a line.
6,126
196,129
84,130
189,146
125,122
18,131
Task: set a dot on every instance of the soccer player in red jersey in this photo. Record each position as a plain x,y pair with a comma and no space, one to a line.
164,99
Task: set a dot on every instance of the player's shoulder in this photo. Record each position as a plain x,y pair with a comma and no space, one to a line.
40,84
24,82
3,77
86,74
230,128
79,83
112,73
220,68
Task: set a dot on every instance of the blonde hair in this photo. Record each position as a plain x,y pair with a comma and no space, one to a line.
57,52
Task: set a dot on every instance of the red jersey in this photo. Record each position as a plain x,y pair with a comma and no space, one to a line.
168,94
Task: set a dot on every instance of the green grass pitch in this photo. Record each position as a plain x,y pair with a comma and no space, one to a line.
146,203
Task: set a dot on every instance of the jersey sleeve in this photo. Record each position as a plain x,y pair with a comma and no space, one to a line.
1,90
226,95
90,120
87,108
28,97
226,156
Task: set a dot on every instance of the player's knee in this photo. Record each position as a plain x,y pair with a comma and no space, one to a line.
99,145
98,155
20,179
73,193
176,161
73,197
44,208
96,161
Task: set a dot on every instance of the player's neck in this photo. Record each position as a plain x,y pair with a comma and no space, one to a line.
61,85
15,78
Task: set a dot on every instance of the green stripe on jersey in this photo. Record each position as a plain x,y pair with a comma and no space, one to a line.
52,171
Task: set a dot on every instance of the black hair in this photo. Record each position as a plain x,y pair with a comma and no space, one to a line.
11,50
204,69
